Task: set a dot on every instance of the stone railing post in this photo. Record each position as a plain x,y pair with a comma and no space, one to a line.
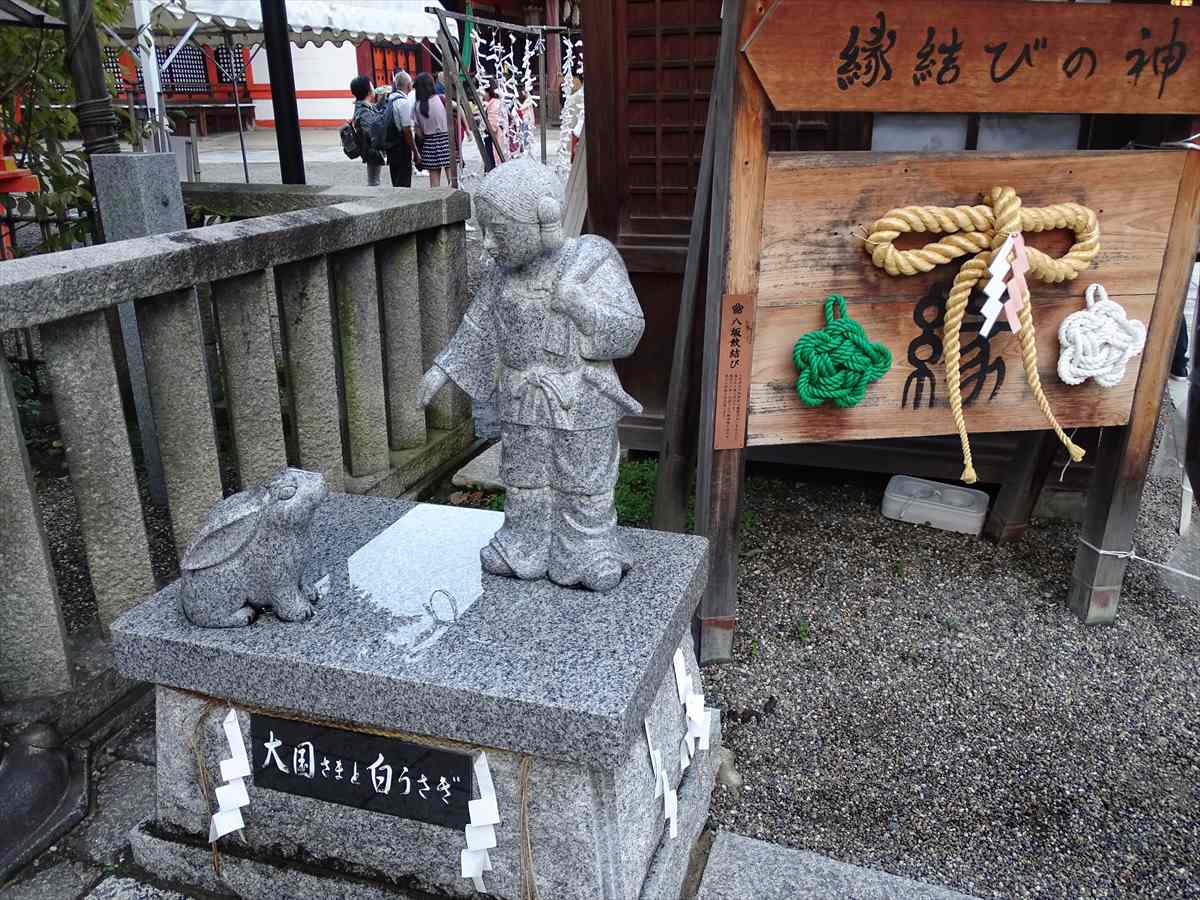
308,340
356,293
177,374
442,253
401,302
243,308
88,402
33,649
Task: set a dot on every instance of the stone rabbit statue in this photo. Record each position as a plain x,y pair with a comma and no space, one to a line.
249,555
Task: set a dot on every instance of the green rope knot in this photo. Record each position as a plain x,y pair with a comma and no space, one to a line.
837,362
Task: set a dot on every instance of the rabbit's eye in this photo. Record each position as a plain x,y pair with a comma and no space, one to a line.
284,490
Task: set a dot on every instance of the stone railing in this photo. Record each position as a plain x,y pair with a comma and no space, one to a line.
362,292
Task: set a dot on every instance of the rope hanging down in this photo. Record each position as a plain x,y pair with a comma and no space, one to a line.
1098,341
982,230
837,362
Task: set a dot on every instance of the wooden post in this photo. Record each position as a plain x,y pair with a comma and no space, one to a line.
676,447
469,83
1112,504
93,104
739,177
1009,516
454,73
452,111
604,170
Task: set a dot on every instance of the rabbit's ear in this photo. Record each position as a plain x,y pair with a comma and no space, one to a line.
229,527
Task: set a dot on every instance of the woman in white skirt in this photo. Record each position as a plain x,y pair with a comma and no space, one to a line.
430,113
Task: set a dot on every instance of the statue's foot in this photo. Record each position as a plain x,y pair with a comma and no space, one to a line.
298,609
493,562
603,575
240,617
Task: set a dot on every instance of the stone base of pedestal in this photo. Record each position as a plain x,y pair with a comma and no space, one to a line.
558,687
186,860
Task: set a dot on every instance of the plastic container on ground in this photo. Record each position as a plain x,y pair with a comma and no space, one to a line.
945,506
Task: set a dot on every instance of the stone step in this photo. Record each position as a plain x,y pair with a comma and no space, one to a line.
741,868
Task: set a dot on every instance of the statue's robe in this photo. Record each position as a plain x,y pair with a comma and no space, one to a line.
558,399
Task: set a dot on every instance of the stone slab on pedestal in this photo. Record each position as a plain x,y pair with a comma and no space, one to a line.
740,868
561,678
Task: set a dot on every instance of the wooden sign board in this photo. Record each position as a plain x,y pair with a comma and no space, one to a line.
978,56
812,246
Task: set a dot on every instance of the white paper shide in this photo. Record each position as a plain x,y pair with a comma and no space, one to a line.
231,796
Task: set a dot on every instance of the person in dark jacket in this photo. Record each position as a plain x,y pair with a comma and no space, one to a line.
364,97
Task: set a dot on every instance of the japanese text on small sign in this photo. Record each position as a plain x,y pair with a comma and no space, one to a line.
386,775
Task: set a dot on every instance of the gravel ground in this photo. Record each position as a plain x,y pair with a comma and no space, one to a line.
923,702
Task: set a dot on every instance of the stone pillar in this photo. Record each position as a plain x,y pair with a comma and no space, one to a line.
401,307
177,374
442,253
243,309
356,294
33,647
139,195
308,339
88,402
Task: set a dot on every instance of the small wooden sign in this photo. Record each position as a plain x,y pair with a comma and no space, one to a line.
733,373
366,771
978,56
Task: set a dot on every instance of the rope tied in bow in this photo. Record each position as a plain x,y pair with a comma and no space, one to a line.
1097,342
981,230
837,362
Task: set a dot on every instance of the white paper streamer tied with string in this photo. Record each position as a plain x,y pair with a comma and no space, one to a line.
481,833
231,796
1098,342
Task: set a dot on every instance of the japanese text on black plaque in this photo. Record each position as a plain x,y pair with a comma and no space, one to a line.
380,774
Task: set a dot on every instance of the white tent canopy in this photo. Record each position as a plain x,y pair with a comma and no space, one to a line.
309,21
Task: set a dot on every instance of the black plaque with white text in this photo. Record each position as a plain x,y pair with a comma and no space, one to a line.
380,774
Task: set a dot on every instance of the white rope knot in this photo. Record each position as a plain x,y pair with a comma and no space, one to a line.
1099,341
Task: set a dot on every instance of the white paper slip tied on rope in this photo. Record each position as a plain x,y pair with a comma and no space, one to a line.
710,715
683,681
656,762
481,832
231,796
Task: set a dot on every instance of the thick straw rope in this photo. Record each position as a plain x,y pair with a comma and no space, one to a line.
981,230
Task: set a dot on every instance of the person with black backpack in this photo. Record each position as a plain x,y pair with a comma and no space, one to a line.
401,146
356,141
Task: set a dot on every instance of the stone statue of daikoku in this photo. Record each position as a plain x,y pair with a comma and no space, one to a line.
539,337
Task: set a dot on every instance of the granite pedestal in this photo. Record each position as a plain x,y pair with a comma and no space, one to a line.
409,638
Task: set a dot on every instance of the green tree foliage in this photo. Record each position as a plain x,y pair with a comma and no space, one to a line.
34,78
